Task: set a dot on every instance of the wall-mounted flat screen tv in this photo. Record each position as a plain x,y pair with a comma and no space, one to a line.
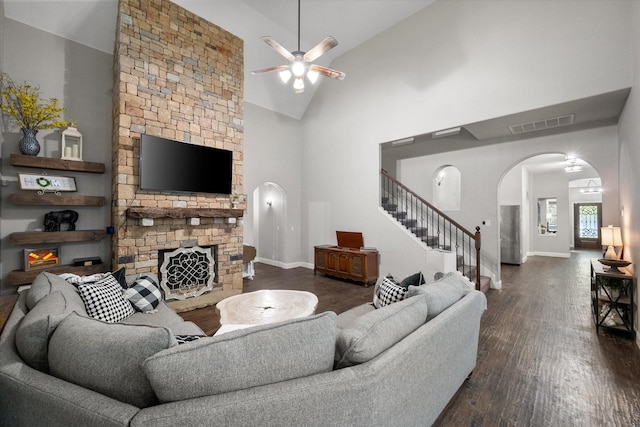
168,165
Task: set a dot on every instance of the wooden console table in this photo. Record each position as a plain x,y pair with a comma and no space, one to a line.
347,260
612,299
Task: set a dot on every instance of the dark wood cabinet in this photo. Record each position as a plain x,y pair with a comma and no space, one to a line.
355,264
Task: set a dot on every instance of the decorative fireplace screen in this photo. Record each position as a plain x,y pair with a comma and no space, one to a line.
187,272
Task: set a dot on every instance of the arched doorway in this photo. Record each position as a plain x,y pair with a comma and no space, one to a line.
538,198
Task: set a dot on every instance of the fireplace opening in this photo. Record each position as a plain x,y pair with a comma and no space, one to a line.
187,271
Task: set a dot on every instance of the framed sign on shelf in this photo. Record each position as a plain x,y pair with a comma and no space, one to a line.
46,183
35,259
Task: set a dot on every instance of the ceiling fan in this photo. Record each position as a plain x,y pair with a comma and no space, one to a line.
300,63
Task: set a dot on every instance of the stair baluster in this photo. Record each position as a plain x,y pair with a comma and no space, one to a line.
433,227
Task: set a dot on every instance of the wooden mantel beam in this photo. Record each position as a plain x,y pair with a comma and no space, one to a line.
140,213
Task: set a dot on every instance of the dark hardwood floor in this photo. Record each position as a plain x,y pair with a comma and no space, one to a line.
540,361
333,294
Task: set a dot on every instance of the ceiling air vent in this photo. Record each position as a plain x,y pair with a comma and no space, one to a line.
550,123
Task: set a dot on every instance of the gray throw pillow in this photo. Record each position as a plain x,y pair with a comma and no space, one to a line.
377,330
107,357
35,329
244,358
441,294
43,285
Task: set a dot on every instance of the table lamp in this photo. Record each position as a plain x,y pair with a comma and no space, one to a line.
611,237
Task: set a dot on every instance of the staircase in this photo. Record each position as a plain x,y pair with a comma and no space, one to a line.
434,228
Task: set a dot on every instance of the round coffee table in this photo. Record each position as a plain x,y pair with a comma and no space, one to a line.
265,306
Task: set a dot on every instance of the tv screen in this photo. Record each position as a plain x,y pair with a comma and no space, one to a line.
167,165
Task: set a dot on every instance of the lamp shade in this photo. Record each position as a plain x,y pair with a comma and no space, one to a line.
611,236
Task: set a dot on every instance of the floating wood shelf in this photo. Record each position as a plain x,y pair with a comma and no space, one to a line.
58,164
19,277
54,200
37,237
140,213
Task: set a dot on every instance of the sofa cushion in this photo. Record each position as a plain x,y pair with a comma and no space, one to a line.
43,285
347,318
144,294
164,316
387,292
107,357
244,358
33,333
442,293
104,300
377,330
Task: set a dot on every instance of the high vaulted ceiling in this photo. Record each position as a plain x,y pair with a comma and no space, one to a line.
351,22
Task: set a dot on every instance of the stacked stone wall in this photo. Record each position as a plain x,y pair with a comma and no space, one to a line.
180,77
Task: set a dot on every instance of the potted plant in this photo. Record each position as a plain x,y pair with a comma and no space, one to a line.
22,103
235,197
613,286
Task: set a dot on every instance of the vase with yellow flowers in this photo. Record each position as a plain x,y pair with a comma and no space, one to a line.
22,103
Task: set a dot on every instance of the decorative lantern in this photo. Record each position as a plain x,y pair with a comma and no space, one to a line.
71,145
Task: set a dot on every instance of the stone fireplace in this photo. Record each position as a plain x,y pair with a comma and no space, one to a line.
180,77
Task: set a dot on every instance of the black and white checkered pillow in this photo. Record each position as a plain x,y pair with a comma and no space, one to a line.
183,339
388,292
104,301
144,294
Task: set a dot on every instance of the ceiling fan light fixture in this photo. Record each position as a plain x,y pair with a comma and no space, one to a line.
285,75
301,63
313,76
298,85
298,68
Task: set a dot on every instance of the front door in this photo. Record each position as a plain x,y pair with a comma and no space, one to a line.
587,220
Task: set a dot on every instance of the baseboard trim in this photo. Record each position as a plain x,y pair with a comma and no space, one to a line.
551,254
284,265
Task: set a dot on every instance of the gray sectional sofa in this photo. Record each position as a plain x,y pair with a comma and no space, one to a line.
368,366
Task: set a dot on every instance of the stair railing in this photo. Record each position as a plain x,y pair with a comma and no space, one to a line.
435,228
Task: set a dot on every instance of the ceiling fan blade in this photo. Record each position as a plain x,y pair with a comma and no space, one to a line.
266,70
320,48
328,72
278,47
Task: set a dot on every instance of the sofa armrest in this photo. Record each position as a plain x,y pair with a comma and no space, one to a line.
31,397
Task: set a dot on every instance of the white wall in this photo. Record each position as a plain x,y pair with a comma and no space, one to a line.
550,186
452,63
629,134
510,191
272,152
81,78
